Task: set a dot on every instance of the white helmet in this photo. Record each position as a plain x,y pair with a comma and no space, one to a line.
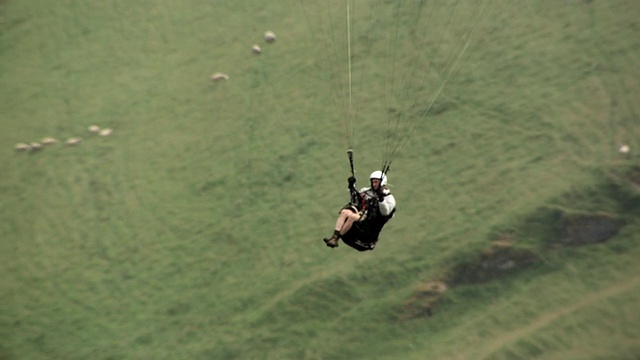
378,175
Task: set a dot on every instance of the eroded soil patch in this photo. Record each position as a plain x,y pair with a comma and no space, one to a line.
425,299
498,261
590,228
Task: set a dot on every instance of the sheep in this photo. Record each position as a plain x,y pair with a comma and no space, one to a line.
22,147
256,49
624,149
269,37
49,141
219,76
106,132
74,141
94,128
35,146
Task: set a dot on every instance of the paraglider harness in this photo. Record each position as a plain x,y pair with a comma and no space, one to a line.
363,234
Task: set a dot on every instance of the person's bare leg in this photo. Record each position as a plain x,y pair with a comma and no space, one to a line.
345,221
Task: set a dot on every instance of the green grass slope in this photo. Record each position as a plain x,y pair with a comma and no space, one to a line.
194,230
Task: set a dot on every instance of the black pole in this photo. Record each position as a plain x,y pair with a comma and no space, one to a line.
350,154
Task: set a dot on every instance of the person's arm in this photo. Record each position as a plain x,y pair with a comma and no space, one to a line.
387,204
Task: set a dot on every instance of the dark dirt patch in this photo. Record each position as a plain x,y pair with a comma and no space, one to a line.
500,260
589,216
423,302
584,229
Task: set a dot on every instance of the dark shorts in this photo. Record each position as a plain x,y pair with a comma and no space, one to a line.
350,207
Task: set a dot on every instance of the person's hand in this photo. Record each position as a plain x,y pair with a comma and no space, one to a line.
372,202
352,181
380,193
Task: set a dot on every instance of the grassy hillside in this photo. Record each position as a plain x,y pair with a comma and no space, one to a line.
194,230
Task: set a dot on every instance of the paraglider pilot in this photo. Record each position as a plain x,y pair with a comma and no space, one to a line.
360,222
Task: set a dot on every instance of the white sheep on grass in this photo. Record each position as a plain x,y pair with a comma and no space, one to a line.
219,76
35,146
269,37
74,141
624,149
49,141
22,147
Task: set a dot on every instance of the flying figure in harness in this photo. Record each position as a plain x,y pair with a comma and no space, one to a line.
360,222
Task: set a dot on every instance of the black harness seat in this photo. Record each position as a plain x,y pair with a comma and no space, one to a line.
363,235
